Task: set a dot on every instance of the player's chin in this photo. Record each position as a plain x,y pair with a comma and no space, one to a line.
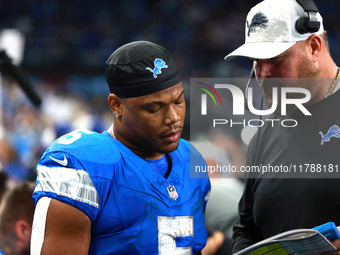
169,147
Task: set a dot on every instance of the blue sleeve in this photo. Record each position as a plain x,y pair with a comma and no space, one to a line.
70,184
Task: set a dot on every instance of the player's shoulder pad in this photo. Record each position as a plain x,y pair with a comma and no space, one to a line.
84,145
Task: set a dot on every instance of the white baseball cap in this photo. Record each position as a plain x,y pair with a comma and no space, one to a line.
270,29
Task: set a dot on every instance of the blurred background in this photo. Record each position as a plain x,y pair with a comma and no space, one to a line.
66,44
64,47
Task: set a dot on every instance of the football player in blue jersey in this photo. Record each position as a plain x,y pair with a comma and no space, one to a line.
127,190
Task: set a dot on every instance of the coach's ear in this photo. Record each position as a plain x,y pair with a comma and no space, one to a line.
315,44
115,104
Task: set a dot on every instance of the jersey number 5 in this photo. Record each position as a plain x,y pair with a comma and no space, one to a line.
171,227
73,136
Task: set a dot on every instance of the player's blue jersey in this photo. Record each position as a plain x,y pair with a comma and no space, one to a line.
132,208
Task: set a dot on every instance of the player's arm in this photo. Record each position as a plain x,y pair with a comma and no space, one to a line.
67,230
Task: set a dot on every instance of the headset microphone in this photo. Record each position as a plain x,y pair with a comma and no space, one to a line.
251,77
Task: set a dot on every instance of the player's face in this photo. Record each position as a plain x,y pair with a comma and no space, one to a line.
294,63
151,125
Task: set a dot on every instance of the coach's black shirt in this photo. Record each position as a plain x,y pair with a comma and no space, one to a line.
309,193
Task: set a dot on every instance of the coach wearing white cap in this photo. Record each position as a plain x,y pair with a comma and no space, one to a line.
286,39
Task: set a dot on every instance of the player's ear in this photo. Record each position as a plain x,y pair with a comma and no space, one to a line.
115,104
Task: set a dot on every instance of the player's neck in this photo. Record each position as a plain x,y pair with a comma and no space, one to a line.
141,152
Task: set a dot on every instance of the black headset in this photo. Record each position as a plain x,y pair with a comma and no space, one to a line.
308,24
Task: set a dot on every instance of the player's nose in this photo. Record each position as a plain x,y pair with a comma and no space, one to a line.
173,115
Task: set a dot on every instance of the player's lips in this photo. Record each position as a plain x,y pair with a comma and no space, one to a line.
172,136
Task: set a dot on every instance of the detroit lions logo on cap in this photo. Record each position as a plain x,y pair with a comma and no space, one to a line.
333,131
259,20
159,64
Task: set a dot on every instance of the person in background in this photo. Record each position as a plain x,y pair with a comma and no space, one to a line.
226,190
16,217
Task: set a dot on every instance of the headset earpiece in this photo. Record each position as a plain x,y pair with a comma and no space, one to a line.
308,24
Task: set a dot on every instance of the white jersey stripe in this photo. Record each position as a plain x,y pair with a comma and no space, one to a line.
68,182
38,226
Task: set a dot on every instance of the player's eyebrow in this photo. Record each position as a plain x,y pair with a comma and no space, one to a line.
162,102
